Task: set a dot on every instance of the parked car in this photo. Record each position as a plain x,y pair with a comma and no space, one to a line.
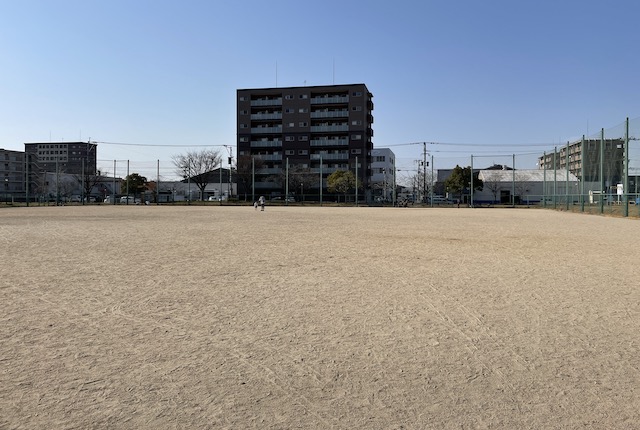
438,200
217,198
129,200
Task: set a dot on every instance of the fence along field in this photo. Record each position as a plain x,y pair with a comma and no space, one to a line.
317,317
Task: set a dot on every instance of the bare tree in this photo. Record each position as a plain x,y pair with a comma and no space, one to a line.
492,182
198,166
301,178
88,181
244,172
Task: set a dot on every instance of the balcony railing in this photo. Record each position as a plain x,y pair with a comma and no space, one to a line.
270,157
266,143
330,142
325,128
330,114
266,129
268,171
330,156
269,102
329,100
328,170
267,115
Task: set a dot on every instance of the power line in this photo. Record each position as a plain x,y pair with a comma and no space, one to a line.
158,145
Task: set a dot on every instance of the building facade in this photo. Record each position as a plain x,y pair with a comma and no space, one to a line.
383,168
316,130
61,159
64,157
585,160
12,173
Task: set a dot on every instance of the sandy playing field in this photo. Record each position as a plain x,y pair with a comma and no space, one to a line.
297,317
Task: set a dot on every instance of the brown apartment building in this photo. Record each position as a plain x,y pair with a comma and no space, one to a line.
315,130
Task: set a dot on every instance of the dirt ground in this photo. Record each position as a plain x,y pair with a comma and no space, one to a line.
297,317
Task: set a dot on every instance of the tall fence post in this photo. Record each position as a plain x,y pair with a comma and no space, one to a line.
471,193
566,186
544,179
602,185
625,189
555,178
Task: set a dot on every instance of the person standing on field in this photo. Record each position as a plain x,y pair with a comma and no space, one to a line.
261,201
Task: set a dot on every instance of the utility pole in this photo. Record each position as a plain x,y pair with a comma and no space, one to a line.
230,160
424,172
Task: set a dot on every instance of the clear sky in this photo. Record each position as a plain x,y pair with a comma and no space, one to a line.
488,78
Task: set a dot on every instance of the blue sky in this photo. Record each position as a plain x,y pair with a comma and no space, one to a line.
489,78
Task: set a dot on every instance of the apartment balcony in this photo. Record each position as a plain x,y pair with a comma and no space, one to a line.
269,157
329,128
258,130
328,157
267,116
330,114
268,102
329,100
330,142
266,143
325,170
269,171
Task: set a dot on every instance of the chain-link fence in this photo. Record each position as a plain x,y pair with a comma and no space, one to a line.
598,173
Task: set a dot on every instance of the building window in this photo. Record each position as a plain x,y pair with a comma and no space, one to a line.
303,110
291,124
303,124
289,138
356,137
357,108
356,122
303,152
304,96
380,158
289,152
288,97
356,151
288,110
244,112
303,138
243,125
244,139
356,93
242,98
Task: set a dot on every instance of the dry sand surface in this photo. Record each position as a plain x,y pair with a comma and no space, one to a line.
296,317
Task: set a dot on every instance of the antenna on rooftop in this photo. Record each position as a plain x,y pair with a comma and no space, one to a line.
334,72
276,74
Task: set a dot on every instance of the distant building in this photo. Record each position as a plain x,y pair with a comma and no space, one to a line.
579,159
524,186
57,158
12,173
63,157
308,130
383,167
